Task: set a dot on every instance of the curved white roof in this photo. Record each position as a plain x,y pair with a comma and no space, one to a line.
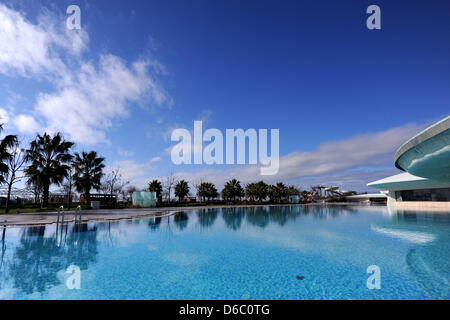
406,181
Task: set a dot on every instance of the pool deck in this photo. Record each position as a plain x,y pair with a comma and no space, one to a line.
45,218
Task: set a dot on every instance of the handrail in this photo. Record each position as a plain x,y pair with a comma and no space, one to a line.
63,213
78,210
57,220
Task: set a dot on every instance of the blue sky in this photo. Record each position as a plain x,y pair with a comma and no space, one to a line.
344,97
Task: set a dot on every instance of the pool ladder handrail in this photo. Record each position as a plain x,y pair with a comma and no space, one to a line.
77,213
61,208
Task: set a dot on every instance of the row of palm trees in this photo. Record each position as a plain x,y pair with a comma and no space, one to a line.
48,161
232,191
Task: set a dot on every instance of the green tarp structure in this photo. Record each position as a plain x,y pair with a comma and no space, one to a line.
294,199
144,199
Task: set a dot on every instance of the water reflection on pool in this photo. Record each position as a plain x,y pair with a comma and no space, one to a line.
291,252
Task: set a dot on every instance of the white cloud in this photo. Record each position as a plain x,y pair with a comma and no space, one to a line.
135,172
4,116
350,162
89,97
125,153
26,124
27,49
86,108
361,150
155,159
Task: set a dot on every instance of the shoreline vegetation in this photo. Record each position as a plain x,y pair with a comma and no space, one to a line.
49,161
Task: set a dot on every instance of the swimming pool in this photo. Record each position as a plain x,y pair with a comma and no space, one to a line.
290,252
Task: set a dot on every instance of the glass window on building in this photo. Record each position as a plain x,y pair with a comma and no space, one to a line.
441,194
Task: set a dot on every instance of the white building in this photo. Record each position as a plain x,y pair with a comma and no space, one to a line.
425,158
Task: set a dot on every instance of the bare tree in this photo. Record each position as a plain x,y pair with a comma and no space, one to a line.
196,183
113,183
129,192
68,186
15,171
35,189
165,195
169,183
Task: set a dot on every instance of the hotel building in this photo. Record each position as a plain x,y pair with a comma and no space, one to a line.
425,160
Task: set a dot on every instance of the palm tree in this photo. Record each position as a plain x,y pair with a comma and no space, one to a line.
278,192
49,158
6,144
233,190
282,191
181,189
257,190
156,186
250,191
207,190
88,172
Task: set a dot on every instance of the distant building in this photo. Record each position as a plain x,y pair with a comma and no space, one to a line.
191,199
425,158
12,202
103,198
59,198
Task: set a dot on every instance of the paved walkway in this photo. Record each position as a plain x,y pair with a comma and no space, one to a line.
42,218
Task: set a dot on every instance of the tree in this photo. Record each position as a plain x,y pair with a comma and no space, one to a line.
156,186
88,172
232,190
257,191
169,182
181,220
292,190
113,183
278,192
15,163
181,190
6,144
49,158
207,190
35,188
129,192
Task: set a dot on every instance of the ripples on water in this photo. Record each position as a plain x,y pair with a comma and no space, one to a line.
235,253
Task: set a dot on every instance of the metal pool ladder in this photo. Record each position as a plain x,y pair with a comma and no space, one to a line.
77,212
59,213
77,215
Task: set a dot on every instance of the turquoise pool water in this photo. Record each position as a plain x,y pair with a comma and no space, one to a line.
296,252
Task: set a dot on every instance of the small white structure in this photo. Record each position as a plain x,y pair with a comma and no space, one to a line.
144,199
